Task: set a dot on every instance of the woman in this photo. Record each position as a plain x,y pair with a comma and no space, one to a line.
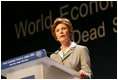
70,54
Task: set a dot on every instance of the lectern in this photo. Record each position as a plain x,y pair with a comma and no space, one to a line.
35,65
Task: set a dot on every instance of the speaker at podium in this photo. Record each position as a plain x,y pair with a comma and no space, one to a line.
36,65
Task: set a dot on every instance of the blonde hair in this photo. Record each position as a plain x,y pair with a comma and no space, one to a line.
64,21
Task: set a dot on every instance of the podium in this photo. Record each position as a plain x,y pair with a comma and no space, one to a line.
35,65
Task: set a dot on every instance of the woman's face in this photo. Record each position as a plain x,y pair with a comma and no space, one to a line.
62,33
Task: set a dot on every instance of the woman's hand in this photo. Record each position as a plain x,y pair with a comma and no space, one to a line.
83,74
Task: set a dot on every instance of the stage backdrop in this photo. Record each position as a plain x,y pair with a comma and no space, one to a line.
25,27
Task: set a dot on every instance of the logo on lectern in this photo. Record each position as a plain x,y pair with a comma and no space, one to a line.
39,53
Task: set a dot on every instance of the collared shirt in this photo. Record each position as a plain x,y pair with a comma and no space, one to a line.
73,44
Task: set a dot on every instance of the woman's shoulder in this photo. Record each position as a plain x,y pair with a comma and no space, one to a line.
54,54
81,47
